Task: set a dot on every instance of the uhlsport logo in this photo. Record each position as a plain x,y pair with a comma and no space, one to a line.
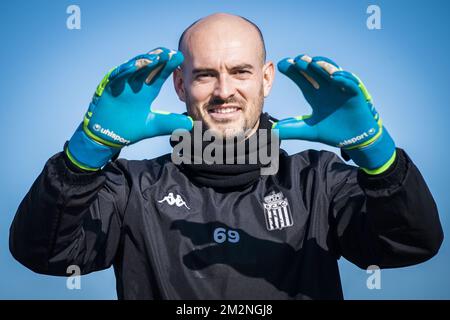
171,200
277,211
360,137
110,134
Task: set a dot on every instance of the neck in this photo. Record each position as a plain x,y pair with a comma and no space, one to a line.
224,175
253,130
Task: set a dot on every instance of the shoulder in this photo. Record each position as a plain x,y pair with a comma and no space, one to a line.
323,167
312,158
153,168
323,163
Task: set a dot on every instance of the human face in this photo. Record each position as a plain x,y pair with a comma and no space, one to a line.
223,80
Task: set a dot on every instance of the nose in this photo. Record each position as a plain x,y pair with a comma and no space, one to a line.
224,87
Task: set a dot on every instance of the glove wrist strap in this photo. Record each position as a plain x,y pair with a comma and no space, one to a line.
86,153
376,157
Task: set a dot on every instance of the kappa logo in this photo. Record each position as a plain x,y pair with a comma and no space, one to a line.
171,200
277,211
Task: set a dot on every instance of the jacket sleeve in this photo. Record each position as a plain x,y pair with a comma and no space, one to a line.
389,220
70,218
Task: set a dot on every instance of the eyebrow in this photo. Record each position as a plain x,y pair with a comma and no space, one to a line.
199,70
238,67
242,66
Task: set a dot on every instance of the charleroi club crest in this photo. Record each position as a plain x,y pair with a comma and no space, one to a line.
277,211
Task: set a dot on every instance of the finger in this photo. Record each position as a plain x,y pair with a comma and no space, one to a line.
164,56
132,65
287,66
146,60
363,88
111,75
296,128
148,65
328,67
123,68
347,82
175,59
317,72
301,63
119,73
134,72
160,123
327,60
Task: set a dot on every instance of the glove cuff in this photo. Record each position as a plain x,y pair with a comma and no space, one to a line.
86,153
376,157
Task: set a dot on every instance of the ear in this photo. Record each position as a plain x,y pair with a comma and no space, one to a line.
268,77
178,83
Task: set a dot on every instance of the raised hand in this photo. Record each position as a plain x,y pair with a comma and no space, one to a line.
342,115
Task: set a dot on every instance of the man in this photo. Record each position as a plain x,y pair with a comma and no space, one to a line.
224,231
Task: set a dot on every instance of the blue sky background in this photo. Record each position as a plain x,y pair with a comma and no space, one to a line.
48,75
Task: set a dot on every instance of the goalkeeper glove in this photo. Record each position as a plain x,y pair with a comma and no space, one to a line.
342,115
120,113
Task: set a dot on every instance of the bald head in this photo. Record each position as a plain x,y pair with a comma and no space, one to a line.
224,76
216,25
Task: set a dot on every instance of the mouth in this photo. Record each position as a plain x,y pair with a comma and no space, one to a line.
224,112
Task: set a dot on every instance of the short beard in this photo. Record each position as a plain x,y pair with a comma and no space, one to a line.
249,123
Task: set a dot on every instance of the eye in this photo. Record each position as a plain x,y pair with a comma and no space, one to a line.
242,73
204,75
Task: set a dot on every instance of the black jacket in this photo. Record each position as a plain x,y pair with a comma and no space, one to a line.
280,238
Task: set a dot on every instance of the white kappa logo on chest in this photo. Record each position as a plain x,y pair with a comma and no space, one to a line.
171,200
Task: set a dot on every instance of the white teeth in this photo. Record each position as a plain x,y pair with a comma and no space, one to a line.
225,110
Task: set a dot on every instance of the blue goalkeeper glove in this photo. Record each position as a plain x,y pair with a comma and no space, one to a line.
120,113
342,113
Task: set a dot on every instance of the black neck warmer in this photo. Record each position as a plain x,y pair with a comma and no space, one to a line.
229,177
